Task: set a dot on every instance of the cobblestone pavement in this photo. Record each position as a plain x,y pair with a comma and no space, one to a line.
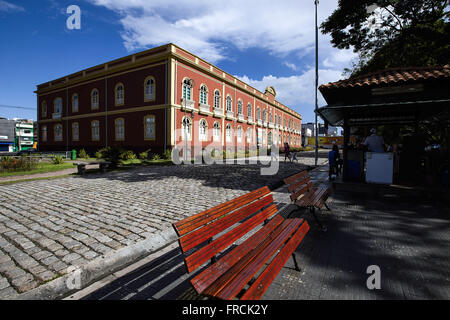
409,239
48,225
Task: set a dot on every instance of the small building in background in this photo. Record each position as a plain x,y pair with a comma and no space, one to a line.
7,135
24,137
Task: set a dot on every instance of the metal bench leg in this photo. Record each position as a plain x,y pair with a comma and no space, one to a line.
313,212
326,206
295,263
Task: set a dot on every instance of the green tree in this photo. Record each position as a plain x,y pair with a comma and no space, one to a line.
391,33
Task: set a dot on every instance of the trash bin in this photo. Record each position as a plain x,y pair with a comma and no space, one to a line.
74,154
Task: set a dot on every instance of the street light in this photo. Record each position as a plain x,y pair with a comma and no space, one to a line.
316,2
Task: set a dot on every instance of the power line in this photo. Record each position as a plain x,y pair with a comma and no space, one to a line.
15,107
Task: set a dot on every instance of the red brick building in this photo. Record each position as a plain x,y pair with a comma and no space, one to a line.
145,100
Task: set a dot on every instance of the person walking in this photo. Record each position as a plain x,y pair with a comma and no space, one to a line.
286,151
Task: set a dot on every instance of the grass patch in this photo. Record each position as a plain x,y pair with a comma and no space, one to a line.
42,167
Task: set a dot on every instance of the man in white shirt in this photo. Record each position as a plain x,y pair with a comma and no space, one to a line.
374,142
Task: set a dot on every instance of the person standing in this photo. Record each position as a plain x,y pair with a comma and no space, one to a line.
374,142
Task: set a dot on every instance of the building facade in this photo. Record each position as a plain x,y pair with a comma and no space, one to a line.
24,138
7,128
158,99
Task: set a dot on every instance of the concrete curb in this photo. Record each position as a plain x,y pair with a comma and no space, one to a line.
101,267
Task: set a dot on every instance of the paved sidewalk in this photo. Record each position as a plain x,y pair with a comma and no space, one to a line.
101,222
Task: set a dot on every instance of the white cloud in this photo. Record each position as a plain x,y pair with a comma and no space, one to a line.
339,58
208,28
297,91
9,7
290,66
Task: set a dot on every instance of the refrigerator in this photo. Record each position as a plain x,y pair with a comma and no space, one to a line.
379,167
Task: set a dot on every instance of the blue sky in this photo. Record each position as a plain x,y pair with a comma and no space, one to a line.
262,42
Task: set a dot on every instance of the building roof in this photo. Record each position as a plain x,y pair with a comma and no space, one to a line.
391,76
400,95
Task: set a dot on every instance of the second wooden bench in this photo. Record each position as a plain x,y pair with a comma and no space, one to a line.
305,194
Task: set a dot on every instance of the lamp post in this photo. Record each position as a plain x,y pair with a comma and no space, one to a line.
316,2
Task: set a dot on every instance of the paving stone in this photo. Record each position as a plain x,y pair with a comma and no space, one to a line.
4,283
46,276
71,257
8,293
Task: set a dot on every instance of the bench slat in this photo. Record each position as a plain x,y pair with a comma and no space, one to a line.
208,251
304,189
295,177
229,274
198,220
269,274
293,186
211,274
206,232
239,280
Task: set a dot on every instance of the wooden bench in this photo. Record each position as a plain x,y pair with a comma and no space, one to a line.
209,236
82,166
305,194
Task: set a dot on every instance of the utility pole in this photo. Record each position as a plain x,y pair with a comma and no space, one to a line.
316,2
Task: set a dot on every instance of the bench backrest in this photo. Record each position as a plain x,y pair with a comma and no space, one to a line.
243,214
298,184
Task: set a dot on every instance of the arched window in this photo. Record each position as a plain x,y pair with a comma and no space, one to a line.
44,133
95,130
58,132
44,109
119,94
186,129
249,135
228,133
239,134
269,139
75,131
120,129
258,114
187,89
149,127
229,104
249,110
216,131
276,119
240,109
270,116
217,104
149,89
203,94
75,102
57,108
264,115
203,128
94,99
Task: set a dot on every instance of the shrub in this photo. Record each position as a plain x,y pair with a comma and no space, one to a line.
156,157
143,155
99,155
168,154
127,155
57,160
20,164
83,154
111,154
